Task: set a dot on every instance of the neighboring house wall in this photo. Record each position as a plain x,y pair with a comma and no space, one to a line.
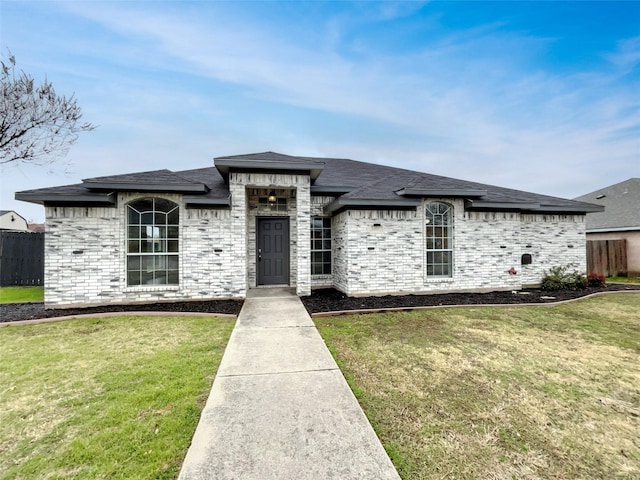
633,247
10,220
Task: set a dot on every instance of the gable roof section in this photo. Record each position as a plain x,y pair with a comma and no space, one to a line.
354,184
621,203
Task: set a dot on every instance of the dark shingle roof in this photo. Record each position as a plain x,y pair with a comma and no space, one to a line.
622,207
353,183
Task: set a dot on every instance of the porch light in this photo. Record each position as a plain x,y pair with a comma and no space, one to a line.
271,198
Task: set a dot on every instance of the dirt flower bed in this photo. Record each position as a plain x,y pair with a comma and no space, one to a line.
11,312
330,300
323,300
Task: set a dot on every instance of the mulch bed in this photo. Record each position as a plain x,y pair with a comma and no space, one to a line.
11,312
323,300
330,300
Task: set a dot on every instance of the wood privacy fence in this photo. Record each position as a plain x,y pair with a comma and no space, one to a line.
607,257
21,258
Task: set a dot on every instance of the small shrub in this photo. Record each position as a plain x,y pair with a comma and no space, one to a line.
561,278
596,280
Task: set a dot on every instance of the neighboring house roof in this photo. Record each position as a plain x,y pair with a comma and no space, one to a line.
621,203
354,184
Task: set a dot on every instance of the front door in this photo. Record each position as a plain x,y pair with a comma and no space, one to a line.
273,251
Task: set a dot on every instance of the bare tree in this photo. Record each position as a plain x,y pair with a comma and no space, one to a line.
36,125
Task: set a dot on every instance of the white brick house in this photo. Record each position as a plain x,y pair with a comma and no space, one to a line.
270,219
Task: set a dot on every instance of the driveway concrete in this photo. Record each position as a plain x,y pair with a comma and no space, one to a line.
279,407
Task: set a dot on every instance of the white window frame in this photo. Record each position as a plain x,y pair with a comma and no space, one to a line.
152,244
439,225
321,244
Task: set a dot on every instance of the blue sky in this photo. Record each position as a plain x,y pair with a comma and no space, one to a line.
538,96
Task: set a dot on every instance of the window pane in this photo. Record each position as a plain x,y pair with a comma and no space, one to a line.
326,257
133,278
134,232
326,244
173,216
134,216
133,262
146,218
172,232
160,218
172,277
146,278
172,246
172,262
134,246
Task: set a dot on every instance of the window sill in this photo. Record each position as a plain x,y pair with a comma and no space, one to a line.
439,279
153,288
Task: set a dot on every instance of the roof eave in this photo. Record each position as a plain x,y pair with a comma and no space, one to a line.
76,200
148,187
329,190
442,192
225,165
193,201
346,203
612,229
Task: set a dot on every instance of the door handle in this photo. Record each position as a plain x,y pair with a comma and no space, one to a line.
259,254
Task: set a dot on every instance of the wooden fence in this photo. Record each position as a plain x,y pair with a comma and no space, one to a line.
607,257
21,258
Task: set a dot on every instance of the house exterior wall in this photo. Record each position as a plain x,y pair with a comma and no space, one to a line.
633,247
380,252
298,192
85,256
552,240
374,252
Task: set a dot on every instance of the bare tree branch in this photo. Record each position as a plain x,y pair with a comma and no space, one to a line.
36,125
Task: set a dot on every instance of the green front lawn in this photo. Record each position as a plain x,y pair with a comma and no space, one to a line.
623,279
514,392
115,398
21,294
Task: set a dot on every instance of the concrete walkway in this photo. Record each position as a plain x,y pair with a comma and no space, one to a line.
279,407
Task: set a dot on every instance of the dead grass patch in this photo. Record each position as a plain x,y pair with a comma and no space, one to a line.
512,392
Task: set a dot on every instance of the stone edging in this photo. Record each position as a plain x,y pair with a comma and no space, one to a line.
36,321
428,307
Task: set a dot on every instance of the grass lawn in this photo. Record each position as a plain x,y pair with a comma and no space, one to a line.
516,392
21,294
115,398
623,279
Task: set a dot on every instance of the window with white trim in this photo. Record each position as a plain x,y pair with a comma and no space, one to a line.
439,236
320,245
152,242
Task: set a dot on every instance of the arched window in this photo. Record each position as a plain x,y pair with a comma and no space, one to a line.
152,242
439,233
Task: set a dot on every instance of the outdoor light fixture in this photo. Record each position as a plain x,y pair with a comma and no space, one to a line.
271,198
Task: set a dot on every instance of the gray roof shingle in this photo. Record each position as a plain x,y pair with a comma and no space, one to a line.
352,182
622,207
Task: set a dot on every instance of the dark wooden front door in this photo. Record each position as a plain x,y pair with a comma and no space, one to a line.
273,251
